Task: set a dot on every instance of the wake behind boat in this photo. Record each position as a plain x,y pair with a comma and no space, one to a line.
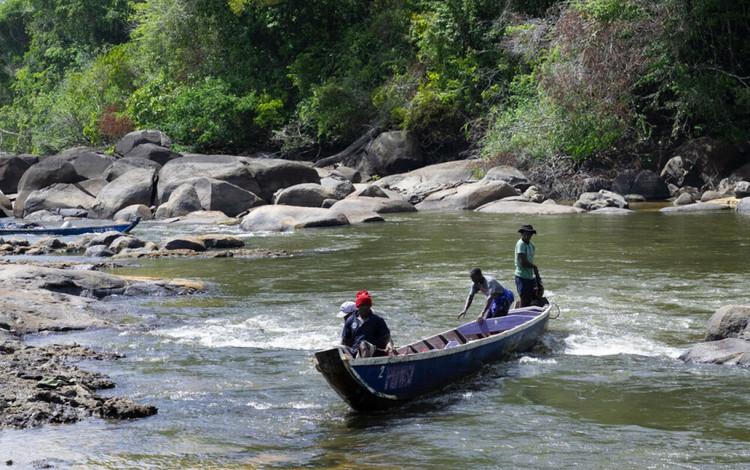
63,231
430,364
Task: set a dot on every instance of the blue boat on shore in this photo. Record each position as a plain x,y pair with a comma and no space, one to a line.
430,364
64,231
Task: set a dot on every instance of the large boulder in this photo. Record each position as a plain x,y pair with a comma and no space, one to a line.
697,207
744,206
730,321
681,171
644,182
378,205
280,218
418,184
511,175
339,185
133,212
58,196
233,170
742,189
600,200
183,200
522,207
273,174
392,153
45,173
153,152
468,196
305,194
135,138
124,165
727,339
11,171
217,195
134,187
92,165
6,206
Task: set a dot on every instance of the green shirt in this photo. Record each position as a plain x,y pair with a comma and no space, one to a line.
528,250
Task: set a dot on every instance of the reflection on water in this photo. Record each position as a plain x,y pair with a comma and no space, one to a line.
231,370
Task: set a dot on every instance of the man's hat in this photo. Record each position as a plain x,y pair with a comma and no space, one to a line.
346,309
363,298
526,228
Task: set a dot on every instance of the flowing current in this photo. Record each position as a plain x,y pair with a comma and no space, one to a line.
231,370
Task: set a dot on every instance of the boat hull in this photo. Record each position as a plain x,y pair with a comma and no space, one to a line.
383,382
61,232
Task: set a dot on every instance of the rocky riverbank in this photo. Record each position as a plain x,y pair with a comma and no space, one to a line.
40,385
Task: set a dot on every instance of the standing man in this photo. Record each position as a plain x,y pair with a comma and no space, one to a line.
526,270
365,332
498,297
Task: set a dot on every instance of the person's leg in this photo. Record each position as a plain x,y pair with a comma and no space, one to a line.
525,290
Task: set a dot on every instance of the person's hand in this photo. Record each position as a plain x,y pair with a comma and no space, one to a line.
461,314
480,319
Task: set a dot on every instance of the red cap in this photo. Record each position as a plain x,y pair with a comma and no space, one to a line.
363,298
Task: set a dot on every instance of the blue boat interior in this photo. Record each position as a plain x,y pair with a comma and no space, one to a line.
469,332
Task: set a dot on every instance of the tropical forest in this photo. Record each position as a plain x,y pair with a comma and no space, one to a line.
596,82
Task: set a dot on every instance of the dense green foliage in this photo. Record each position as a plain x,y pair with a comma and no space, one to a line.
508,78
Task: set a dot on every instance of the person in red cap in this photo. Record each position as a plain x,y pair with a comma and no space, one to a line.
365,332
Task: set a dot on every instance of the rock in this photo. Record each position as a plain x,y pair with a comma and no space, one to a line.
125,242
305,194
274,174
744,206
596,184
93,187
681,172
339,185
279,218
135,138
611,211
351,174
468,196
372,204
234,170
216,195
134,187
134,211
519,207
200,218
369,191
184,242
183,200
600,200
643,182
730,321
92,165
125,165
58,196
684,199
121,408
391,153
511,175
11,171
105,238
711,195
6,206
742,189
697,207
153,152
532,194
220,241
418,184
98,251
730,351
41,175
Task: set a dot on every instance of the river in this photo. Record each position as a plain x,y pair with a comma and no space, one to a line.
231,370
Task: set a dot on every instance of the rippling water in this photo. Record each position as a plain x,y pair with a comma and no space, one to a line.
231,370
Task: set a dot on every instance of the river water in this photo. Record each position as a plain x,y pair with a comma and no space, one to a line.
231,370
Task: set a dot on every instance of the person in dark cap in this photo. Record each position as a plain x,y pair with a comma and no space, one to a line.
365,332
526,270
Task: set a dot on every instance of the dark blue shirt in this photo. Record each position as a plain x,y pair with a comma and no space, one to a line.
374,330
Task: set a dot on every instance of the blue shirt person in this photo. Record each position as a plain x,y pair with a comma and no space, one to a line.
366,333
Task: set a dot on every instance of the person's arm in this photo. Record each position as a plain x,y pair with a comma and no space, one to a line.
389,344
466,307
486,308
346,339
